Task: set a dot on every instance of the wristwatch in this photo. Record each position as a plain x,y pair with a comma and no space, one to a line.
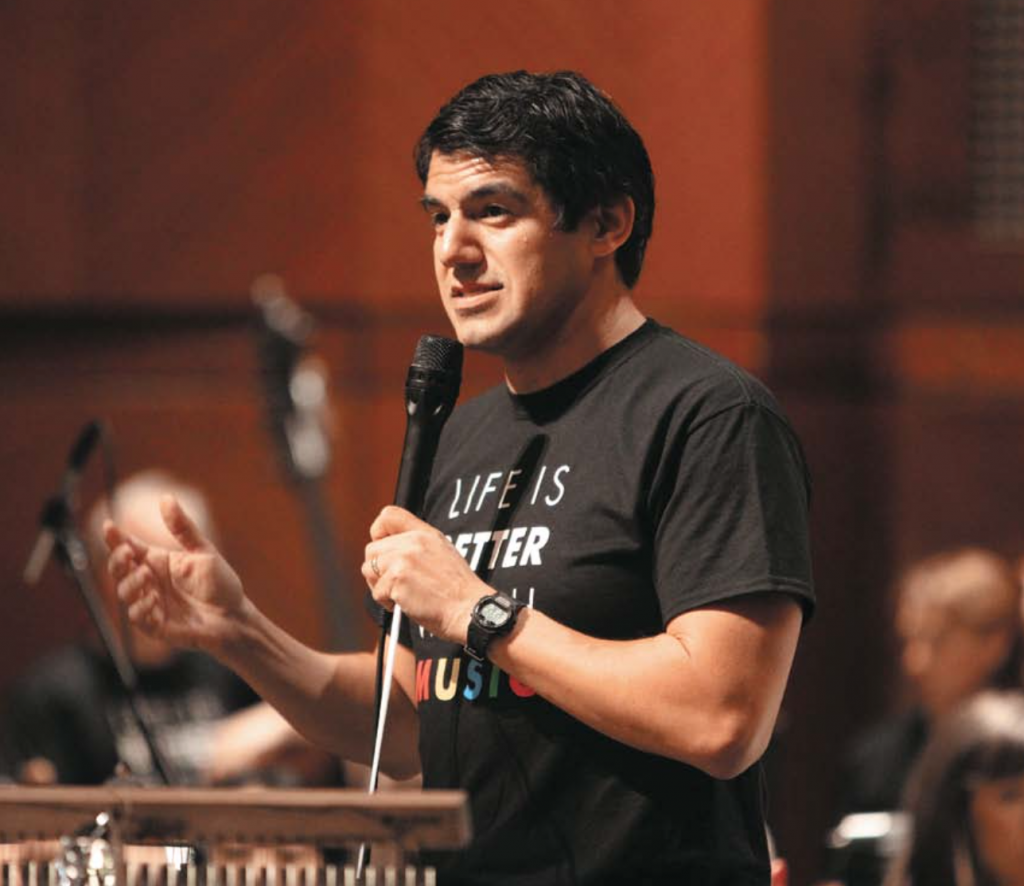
494,615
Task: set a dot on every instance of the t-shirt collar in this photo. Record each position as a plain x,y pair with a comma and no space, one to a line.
551,402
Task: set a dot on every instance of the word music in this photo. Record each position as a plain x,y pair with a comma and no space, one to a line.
440,679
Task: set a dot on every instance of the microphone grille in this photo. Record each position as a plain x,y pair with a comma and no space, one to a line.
438,354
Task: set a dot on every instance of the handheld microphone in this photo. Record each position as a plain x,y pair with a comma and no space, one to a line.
55,512
431,389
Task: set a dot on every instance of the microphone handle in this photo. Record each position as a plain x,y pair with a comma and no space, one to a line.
422,434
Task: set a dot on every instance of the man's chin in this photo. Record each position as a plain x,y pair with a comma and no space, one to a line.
474,338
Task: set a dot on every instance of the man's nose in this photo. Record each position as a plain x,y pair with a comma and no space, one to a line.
458,243
918,656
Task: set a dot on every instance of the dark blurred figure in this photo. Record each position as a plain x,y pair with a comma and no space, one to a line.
959,624
68,720
966,799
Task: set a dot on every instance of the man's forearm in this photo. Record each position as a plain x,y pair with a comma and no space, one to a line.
707,693
329,698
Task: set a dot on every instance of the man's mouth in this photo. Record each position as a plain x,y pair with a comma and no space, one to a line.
468,290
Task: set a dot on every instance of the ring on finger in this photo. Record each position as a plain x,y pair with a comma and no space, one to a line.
374,566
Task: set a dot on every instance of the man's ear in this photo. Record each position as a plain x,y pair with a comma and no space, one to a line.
613,223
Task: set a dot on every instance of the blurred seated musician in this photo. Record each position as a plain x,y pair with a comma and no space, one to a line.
959,625
957,619
68,721
966,799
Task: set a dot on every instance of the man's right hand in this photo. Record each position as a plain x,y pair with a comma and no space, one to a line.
189,596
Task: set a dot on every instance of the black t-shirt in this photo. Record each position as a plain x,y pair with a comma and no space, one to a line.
71,709
657,479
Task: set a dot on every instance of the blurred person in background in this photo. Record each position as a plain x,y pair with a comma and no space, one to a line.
958,621
959,626
966,799
68,719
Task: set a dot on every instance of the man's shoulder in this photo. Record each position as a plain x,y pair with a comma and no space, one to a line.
668,363
654,364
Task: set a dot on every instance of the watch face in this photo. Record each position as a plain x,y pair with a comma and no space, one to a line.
494,614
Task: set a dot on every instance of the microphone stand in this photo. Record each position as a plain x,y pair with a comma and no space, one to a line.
73,555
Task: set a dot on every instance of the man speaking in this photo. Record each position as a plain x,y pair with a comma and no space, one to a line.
604,595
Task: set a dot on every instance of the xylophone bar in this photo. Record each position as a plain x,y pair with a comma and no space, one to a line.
38,873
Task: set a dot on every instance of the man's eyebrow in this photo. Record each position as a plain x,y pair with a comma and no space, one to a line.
495,189
498,189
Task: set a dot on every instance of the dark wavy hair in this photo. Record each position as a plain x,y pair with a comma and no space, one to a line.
981,741
574,141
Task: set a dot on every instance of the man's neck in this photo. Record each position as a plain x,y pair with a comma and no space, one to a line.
574,347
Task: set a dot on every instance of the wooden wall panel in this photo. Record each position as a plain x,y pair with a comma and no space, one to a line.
42,165
956,300
209,144
960,478
821,174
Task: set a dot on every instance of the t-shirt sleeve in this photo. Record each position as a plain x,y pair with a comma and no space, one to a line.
730,505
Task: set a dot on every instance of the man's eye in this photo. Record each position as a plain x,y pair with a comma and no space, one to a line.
494,211
438,218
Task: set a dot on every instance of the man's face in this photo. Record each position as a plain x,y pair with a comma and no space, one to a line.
946,657
509,280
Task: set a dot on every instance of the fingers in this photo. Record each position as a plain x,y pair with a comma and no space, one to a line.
393,520
373,565
390,522
180,525
147,614
138,589
380,591
377,557
133,578
114,536
136,569
123,560
127,565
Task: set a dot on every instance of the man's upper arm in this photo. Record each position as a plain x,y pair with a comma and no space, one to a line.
750,639
743,648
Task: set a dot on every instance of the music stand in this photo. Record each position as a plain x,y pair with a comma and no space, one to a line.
409,820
